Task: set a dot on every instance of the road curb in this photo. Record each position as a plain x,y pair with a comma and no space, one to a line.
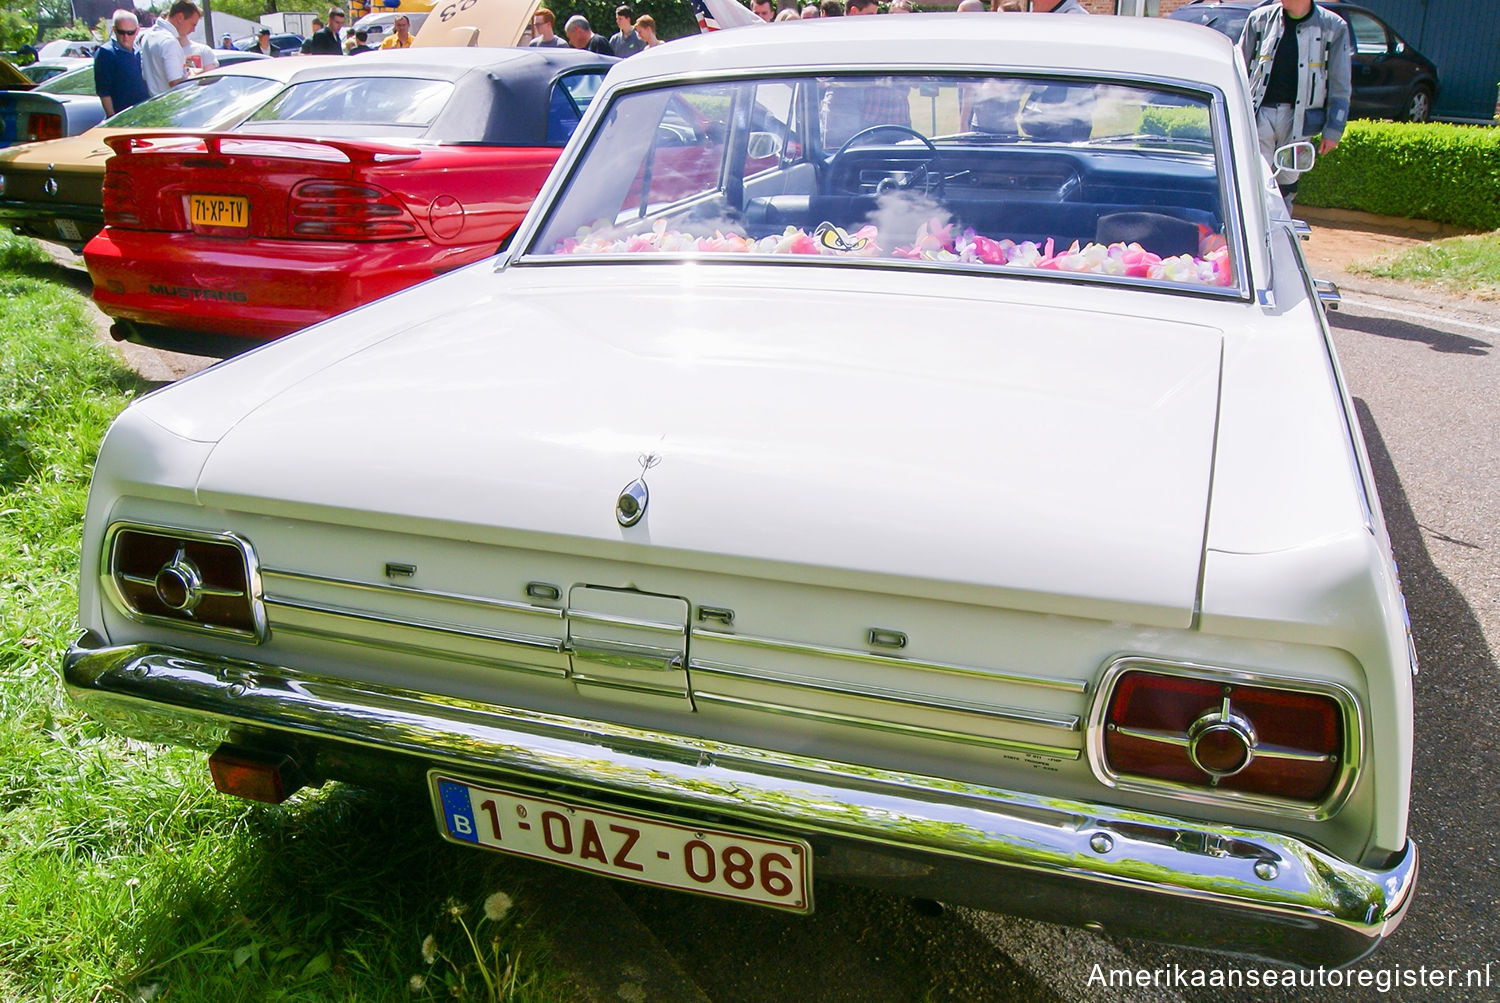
1352,219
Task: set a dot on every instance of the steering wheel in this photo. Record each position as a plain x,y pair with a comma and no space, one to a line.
931,180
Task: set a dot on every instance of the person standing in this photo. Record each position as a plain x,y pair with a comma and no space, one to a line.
317,26
543,29
626,41
400,34
764,10
117,67
581,35
1299,59
325,42
361,42
263,42
645,26
163,56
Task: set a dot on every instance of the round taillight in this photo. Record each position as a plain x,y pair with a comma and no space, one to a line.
202,581
1189,733
1221,745
179,585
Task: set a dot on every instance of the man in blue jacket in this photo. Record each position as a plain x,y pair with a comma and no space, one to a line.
1298,56
117,67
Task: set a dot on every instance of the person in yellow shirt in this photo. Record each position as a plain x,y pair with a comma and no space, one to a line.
401,37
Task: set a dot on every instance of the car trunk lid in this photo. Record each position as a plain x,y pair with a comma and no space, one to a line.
1054,452
225,185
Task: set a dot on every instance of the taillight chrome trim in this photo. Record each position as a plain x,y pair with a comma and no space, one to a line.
254,596
1338,792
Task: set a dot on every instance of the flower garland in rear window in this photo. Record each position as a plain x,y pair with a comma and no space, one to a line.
935,241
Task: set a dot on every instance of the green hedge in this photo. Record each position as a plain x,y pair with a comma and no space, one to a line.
674,18
1180,123
1447,173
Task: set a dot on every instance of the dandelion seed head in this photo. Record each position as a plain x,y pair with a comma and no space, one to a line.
496,906
416,983
429,949
454,908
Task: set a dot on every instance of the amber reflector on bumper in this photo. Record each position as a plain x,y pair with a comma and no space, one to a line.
1203,734
200,581
256,776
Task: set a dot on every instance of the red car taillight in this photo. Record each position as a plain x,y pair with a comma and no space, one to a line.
119,201
203,581
1200,734
43,125
345,210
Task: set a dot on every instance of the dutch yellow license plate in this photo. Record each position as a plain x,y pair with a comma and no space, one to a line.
650,851
219,210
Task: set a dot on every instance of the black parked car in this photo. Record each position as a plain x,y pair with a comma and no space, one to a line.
1391,79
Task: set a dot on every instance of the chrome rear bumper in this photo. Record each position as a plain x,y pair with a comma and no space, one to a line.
1257,893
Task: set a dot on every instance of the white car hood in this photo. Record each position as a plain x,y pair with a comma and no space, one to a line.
1049,451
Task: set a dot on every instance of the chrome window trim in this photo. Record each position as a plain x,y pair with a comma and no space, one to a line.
255,591
889,727
893,661
903,698
526,254
1343,784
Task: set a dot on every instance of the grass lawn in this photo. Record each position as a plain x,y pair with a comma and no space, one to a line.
1469,265
123,875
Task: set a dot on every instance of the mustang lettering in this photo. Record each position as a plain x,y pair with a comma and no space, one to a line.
189,293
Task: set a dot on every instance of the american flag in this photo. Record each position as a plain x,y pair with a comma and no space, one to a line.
716,14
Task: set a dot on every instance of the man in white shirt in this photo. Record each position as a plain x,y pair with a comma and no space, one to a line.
163,56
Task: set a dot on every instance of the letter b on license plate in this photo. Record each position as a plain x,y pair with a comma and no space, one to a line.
772,872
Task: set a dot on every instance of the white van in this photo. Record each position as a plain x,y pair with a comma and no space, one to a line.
379,26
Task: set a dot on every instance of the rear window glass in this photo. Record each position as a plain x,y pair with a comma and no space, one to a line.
992,172
388,101
202,103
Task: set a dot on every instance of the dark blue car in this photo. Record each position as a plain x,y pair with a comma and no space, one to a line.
1391,79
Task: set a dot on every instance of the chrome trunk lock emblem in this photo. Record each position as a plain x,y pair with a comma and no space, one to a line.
631,504
50,186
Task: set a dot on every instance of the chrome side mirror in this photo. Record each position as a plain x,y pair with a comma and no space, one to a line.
763,145
1297,157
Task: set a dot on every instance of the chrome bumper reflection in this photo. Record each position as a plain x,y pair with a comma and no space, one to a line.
1245,891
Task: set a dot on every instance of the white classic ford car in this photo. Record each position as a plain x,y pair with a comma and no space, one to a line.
906,451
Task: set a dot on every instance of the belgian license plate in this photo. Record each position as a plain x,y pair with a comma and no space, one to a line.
67,229
219,210
771,872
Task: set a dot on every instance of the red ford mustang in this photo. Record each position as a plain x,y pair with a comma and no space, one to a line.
359,178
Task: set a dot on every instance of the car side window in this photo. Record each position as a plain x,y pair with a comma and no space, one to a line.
770,142
1369,34
203,103
77,82
570,97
